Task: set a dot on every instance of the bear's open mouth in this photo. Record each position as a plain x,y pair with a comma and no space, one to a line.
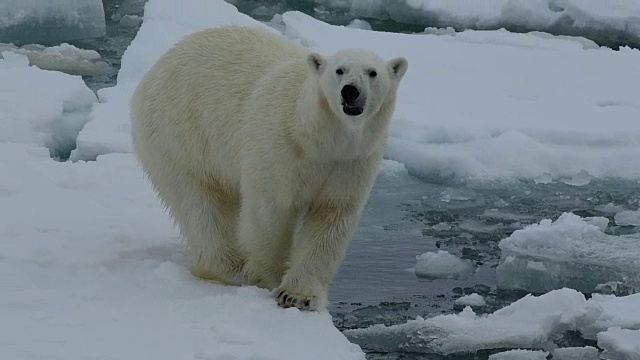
352,110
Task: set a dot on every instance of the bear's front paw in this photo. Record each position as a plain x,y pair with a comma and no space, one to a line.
313,298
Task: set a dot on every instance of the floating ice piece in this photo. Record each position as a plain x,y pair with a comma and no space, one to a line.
442,265
605,311
471,300
44,108
569,252
519,354
576,353
620,343
359,24
580,179
65,58
544,178
130,20
50,20
526,323
628,218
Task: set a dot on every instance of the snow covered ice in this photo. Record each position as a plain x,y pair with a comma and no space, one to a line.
43,108
570,251
50,20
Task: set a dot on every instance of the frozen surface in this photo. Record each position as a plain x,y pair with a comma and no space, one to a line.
50,20
471,300
66,58
591,19
620,343
38,107
519,354
442,264
500,105
628,218
568,252
527,323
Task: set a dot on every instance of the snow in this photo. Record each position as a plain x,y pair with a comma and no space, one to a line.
471,300
43,108
620,343
442,264
108,268
51,20
526,323
569,252
65,58
519,354
618,18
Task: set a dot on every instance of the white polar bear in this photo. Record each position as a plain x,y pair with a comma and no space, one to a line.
264,153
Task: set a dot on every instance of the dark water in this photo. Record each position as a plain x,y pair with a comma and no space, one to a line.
376,283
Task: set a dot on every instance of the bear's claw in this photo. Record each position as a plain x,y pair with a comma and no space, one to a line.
287,300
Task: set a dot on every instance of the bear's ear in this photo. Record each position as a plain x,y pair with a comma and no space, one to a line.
397,67
316,62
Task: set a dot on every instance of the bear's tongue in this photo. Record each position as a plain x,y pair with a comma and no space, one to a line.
352,110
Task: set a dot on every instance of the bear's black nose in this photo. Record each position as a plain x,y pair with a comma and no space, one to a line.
350,93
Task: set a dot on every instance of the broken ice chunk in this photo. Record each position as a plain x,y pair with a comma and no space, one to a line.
442,265
519,355
471,300
569,252
620,343
527,323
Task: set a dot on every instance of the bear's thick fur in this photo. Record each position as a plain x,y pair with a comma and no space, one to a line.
264,153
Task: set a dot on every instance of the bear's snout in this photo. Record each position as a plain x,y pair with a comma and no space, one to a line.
352,102
350,94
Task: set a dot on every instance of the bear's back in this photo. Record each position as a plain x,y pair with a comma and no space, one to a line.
189,102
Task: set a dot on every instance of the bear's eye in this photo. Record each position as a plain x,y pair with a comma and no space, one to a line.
339,71
373,73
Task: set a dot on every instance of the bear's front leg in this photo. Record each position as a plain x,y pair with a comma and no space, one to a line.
265,235
316,256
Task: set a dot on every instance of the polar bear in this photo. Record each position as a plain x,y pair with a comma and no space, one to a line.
264,153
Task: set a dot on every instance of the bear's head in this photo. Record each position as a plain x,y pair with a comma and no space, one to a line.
356,82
